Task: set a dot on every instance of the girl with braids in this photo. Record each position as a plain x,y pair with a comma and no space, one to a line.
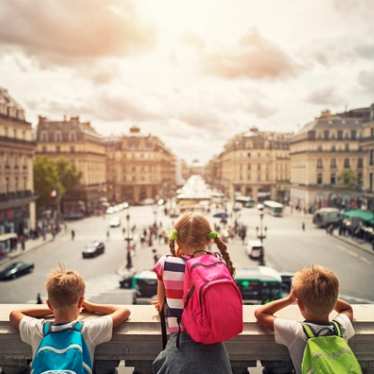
189,241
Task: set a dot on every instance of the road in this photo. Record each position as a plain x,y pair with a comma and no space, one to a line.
287,247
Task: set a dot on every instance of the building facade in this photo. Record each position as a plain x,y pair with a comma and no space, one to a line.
327,162
254,163
141,167
17,148
79,143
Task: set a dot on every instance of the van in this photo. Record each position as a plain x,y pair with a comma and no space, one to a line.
255,249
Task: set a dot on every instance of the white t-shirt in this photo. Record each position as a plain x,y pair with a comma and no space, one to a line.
291,334
95,331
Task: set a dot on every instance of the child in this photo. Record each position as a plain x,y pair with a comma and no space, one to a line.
315,289
65,301
190,238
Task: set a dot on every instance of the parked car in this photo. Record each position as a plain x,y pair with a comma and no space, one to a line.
115,222
93,249
255,249
222,215
16,269
147,201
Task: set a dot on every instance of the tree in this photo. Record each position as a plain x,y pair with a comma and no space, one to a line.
46,180
348,179
59,175
68,174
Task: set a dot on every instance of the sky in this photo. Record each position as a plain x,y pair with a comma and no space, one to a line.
192,72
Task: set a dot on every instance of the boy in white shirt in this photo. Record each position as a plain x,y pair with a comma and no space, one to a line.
315,289
65,302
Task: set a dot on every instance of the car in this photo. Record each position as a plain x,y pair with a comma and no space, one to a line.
222,215
236,208
147,201
110,210
144,283
16,269
93,249
115,222
255,249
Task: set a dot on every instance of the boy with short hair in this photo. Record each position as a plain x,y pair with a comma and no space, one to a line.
65,301
315,289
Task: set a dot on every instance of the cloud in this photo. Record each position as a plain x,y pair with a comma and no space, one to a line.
366,81
254,57
73,31
324,96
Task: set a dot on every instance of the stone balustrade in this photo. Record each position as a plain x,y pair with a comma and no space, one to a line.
138,341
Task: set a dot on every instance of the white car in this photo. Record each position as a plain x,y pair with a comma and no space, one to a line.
255,249
115,222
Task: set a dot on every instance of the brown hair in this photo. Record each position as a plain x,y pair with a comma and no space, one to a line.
193,233
317,288
64,287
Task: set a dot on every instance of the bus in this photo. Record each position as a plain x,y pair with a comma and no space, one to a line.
274,208
326,216
245,201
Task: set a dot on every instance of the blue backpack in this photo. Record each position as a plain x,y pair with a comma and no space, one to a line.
62,350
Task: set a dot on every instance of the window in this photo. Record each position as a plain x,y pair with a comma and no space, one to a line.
340,134
371,182
319,164
58,149
72,136
326,134
346,163
333,148
319,178
319,148
58,136
353,134
44,136
347,147
72,149
360,163
359,179
333,163
44,149
333,179
372,132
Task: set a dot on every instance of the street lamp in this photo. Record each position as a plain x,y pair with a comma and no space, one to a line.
261,233
128,239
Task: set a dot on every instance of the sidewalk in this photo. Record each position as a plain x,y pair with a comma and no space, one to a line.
30,245
358,243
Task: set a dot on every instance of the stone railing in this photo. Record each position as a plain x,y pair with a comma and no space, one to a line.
138,341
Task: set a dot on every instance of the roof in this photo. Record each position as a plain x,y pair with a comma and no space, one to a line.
364,215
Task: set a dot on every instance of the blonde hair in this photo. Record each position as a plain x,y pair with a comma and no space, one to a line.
64,287
193,233
317,288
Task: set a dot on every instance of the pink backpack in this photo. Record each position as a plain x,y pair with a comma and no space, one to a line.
213,310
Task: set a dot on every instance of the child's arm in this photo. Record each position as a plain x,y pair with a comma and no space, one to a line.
160,298
118,314
342,306
265,313
15,316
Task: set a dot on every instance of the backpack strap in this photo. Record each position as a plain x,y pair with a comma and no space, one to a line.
337,328
308,331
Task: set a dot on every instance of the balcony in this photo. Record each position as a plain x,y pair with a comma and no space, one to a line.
15,199
138,341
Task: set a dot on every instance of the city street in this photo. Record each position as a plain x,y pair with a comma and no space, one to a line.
287,248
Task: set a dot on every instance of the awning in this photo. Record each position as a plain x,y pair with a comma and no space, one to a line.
4,237
364,215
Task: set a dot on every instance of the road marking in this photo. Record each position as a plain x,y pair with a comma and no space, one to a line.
364,259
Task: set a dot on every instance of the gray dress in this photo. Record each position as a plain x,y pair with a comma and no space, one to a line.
191,358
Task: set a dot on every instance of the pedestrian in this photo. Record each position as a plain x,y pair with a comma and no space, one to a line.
191,237
107,234
39,299
65,228
72,234
156,257
303,226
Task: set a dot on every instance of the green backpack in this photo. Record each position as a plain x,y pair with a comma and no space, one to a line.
328,354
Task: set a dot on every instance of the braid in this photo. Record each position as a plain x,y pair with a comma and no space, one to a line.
172,247
223,249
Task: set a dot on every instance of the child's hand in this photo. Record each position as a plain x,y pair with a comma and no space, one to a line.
157,304
292,296
87,307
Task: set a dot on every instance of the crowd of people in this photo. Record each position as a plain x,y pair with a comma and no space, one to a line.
193,278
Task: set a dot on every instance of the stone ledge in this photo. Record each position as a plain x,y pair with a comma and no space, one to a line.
138,340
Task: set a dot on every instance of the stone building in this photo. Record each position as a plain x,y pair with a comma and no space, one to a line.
141,167
17,200
254,163
79,143
323,153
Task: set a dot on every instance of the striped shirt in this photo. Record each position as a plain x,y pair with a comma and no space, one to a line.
170,270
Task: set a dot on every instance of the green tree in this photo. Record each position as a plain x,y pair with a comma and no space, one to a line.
46,180
348,179
68,175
